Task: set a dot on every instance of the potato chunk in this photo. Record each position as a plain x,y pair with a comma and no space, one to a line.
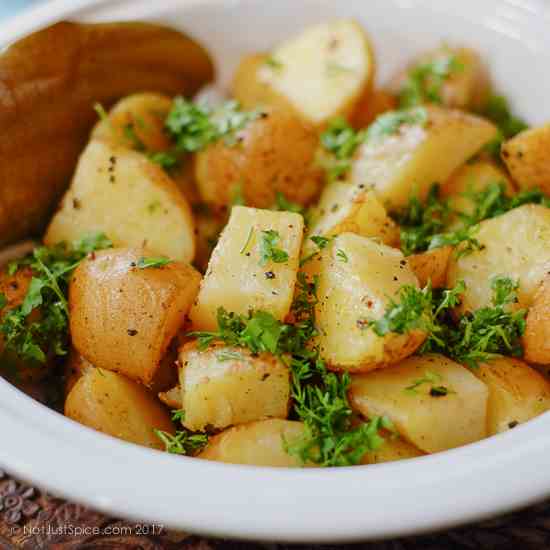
526,156
431,266
259,443
345,208
137,122
358,278
517,393
262,163
124,195
390,451
110,403
123,317
238,279
515,245
536,339
430,422
419,154
370,106
475,177
222,386
466,84
321,73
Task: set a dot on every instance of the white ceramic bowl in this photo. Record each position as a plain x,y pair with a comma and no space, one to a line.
346,504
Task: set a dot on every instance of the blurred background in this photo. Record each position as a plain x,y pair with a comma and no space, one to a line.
11,7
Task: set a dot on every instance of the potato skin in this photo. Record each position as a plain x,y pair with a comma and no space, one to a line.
274,153
123,318
431,424
258,443
526,156
536,339
49,82
352,291
371,105
431,266
517,393
75,367
111,403
223,385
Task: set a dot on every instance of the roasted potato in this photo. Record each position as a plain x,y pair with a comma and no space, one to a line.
517,393
472,177
261,163
129,198
357,279
75,367
466,84
536,339
391,450
137,122
123,317
428,149
370,106
321,73
431,266
431,420
515,245
111,403
346,208
239,278
259,443
49,82
526,156
223,386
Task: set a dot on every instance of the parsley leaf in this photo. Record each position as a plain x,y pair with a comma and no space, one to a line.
183,442
268,248
284,205
144,263
432,378
193,126
425,81
342,256
34,338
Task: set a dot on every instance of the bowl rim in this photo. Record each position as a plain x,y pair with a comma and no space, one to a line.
431,492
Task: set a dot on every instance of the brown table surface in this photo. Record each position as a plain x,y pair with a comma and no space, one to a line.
33,520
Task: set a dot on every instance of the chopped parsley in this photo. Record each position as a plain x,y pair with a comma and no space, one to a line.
282,204
432,378
193,126
273,63
145,263
424,82
268,248
183,442
389,123
474,338
342,256
248,240
321,243
35,338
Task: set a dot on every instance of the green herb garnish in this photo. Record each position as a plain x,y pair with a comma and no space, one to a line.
52,269
268,248
183,442
284,205
342,256
432,378
145,263
389,123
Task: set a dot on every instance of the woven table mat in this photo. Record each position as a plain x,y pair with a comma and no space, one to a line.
34,520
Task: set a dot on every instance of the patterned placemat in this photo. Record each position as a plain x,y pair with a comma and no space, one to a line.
34,520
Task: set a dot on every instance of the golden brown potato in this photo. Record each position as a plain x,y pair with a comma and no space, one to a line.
391,450
124,195
536,339
172,397
253,92
275,153
452,417
517,393
75,367
238,279
137,122
49,82
222,386
357,280
417,154
472,177
123,317
515,245
526,156
431,266
370,106
322,72
467,85
259,443
111,403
